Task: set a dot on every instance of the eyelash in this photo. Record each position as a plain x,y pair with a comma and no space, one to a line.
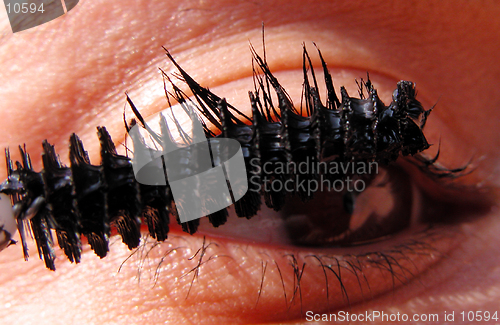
68,199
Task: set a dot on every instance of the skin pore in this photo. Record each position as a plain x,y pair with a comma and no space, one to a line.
70,75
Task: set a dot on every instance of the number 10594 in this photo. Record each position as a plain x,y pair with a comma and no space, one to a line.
24,8
479,316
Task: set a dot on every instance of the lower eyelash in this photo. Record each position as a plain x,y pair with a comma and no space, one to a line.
86,199
389,261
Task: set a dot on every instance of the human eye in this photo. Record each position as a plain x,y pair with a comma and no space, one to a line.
321,249
218,274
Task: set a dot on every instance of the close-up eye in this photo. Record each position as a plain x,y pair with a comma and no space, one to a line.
250,163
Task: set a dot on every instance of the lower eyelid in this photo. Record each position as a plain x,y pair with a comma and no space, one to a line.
251,280
154,282
279,283
264,278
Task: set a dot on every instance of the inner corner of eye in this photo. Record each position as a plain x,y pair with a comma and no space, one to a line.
329,209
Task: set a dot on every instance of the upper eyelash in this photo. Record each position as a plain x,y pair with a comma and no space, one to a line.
83,198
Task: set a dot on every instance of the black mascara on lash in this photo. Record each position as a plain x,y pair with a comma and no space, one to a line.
86,199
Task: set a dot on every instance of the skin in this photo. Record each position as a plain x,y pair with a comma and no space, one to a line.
70,75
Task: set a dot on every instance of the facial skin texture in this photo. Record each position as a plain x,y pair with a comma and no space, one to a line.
70,75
